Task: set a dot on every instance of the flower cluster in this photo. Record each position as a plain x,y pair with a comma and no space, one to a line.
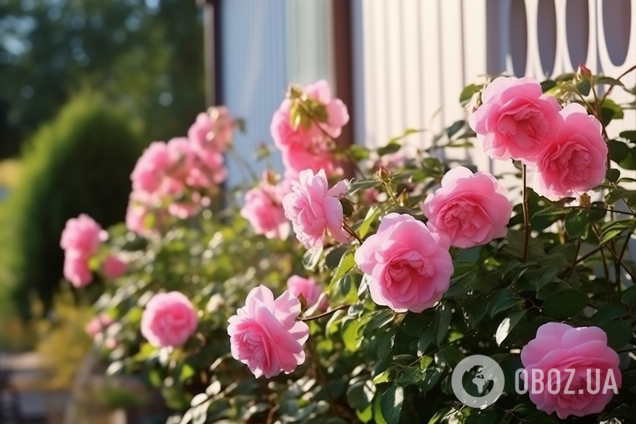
177,178
81,239
517,121
264,210
169,319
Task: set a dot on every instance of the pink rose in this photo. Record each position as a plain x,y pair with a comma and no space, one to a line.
309,289
264,211
212,130
113,267
470,209
82,235
515,118
583,350
574,158
98,324
265,335
151,167
168,320
76,269
407,266
315,210
310,147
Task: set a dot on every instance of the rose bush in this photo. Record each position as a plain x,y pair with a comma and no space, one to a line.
392,275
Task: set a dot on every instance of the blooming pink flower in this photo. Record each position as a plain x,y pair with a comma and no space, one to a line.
212,130
309,147
407,266
515,118
265,335
113,267
82,235
313,209
470,209
168,320
98,324
309,289
573,160
151,167
584,350
76,269
264,210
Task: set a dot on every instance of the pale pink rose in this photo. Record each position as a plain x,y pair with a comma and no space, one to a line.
310,147
151,167
514,119
408,268
309,289
264,211
470,209
113,267
574,158
98,324
168,320
315,210
76,269
212,130
83,235
265,335
560,346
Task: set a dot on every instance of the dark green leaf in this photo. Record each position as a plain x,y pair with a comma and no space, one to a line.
613,175
619,333
442,323
425,341
311,258
360,394
359,152
506,326
629,296
406,133
455,127
372,214
468,92
488,416
608,313
565,303
356,185
629,135
389,148
584,86
334,256
610,110
607,81
614,228
502,300
576,224
346,264
391,404
555,211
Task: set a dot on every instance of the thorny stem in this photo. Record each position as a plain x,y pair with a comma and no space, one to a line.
609,90
390,192
351,232
576,254
324,314
526,214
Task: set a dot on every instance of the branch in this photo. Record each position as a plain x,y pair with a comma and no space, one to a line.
324,314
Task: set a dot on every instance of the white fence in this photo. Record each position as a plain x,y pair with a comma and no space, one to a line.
412,57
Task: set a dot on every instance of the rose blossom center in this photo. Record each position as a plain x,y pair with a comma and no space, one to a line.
523,120
405,272
460,216
573,163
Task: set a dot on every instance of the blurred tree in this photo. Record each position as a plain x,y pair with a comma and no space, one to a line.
146,56
79,163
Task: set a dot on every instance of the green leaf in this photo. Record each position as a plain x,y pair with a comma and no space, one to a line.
311,258
629,296
360,394
502,300
372,215
608,313
469,255
613,229
619,333
468,92
610,110
548,85
392,147
488,416
442,323
351,335
552,212
576,224
391,404
356,185
584,86
455,127
425,340
346,264
334,256
612,175
359,152
620,193
406,133
607,81
629,135
565,303
506,326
